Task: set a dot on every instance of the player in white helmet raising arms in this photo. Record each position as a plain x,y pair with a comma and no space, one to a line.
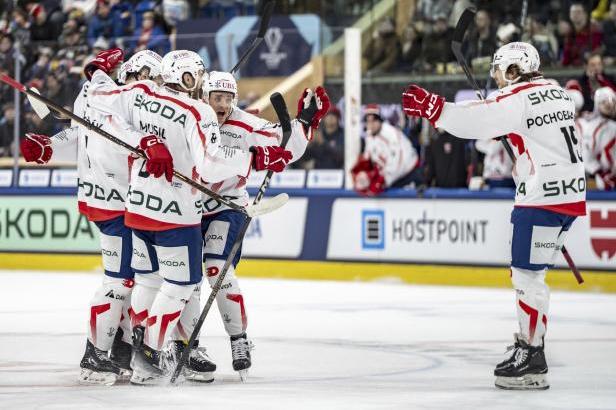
538,118
221,225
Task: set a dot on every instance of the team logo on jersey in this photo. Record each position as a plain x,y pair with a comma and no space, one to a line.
603,232
273,39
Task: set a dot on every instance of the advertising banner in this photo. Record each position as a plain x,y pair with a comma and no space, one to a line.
45,224
455,231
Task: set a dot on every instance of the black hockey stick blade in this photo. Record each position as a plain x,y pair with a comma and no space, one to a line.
464,22
266,16
282,112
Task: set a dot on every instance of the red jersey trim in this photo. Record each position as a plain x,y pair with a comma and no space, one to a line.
520,88
144,223
98,214
242,124
571,208
182,104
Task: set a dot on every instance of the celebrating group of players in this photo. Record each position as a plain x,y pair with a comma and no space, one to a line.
158,234
156,230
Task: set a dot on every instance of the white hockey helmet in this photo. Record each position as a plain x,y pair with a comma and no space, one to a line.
220,81
604,95
142,59
179,62
523,55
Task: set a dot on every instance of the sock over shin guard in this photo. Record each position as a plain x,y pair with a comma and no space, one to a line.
229,298
106,311
532,303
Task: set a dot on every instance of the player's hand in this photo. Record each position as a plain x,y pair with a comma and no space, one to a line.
271,158
367,179
418,102
159,160
36,148
312,107
323,105
106,60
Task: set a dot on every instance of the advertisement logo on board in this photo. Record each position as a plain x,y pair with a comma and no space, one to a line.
373,229
603,232
273,40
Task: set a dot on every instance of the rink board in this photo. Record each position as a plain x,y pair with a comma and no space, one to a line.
335,234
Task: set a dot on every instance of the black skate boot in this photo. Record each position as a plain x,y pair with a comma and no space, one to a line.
200,367
526,369
96,368
121,355
240,349
148,366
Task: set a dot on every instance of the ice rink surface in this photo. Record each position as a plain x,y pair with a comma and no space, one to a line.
320,345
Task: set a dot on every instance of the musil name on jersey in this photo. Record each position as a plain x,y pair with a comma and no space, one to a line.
152,129
550,118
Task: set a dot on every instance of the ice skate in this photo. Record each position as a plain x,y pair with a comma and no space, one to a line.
120,356
96,368
525,369
149,367
240,349
200,366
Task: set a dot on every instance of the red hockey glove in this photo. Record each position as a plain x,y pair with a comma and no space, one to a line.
271,158
159,160
312,107
36,148
323,106
417,102
367,179
106,60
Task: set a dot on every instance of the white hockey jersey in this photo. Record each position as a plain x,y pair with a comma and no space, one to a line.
599,142
241,131
496,163
391,151
538,118
190,131
102,166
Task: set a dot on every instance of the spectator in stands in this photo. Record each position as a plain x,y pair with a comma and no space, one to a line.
104,24
6,129
151,36
446,161
427,10
481,40
56,90
40,68
7,61
609,35
123,12
539,35
41,29
326,150
410,52
585,37
593,79
436,50
72,44
382,53
20,28
142,7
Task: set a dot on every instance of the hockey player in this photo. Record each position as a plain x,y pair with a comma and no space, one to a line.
103,184
388,158
144,65
221,225
538,118
496,164
599,136
164,213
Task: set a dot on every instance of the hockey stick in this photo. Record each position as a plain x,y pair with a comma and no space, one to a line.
456,47
254,210
285,121
266,16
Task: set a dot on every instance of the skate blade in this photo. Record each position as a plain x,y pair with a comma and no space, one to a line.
148,379
243,375
202,377
124,375
90,377
526,382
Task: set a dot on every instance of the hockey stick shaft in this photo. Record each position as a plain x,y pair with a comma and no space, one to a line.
268,9
283,115
456,47
61,110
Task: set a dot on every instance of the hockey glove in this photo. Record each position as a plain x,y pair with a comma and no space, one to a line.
36,148
159,160
306,108
417,102
106,60
367,179
271,158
